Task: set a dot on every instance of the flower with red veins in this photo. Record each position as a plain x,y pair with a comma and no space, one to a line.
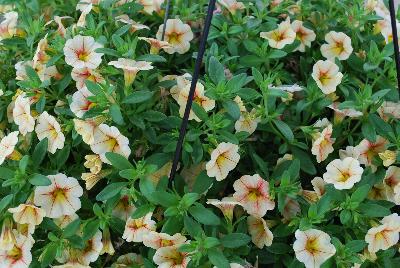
232,6
156,45
8,25
135,26
131,68
368,150
338,46
27,214
158,240
327,76
177,34
389,110
224,159
59,198
48,127
80,75
22,114
86,129
80,52
385,235
7,145
391,180
260,234
323,144
123,209
252,192
150,6
136,229
281,36
303,34
171,257
343,174
80,103
19,256
226,205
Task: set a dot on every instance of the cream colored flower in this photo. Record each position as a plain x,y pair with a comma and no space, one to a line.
303,34
327,76
48,127
44,72
319,186
22,115
123,209
390,182
61,197
93,162
170,257
91,179
80,52
384,236
135,26
8,26
340,114
223,160
7,145
252,192
27,214
86,9
61,28
181,82
109,139
80,75
259,231
343,174
150,6
226,205
232,6
199,97
107,243
177,34
86,129
290,209
368,150
285,157
128,260
313,247
63,221
136,229
323,144
158,240
80,103
281,36
247,122
130,68
156,45
19,256
40,54
338,46
350,151
92,250
389,110
388,157
7,236
165,170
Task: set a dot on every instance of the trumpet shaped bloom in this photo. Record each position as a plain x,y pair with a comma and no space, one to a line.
158,240
343,174
322,144
177,34
80,52
171,257
130,68
260,234
27,214
338,46
385,235
303,34
49,128
281,36
223,160
327,76
136,229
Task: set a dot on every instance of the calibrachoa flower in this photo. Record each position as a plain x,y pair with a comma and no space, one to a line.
128,260
27,214
130,68
48,127
343,174
123,208
327,76
93,162
134,25
199,97
170,257
107,243
281,36
19,256
322,144
91,179
338,46
136,229
80,103
158,240
252,192
247,122
223,160
368,150
22,115
259,231
150,6
232,5
388,157
313,247
92,250
61,197
80,75
226,205
390,182
177,34
86,129
340,114
155,44
80,52
109,139
7,145
385,235
389,110
303,34
8,26
7,235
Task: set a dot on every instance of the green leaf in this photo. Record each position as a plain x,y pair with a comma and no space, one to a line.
138,97
204,215
62,156
356,245
215,70
48,255
232,108
277,54
235,240
40,152
90,229
218,258
368,130
5,201
118,161
6,173
116,114
373,210
152,58
142,211
107,51
199,111
23,163
284,129
111,190
39,180
202,183
165,199
72,228
192,227
360,193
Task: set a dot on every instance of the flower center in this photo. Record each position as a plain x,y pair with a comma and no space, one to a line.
344,176
339,48
312,246
15,253
174,38
111,143
254,194
324,78
166,243
83,55
278,36
59,194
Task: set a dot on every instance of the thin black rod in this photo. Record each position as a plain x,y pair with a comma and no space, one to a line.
195,78
166,16
393,21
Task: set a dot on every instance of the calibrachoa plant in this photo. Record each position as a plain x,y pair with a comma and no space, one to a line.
291,157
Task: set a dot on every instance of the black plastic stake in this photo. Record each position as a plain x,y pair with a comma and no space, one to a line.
395,40
166,16
195,78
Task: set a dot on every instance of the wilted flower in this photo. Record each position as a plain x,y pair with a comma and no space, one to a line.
61,197
259,231
303,34
343,174
226,205
7,145
388,157
63,221
93,162
19,256
385,235
128,260
223,159
123,209
135,26
130,68
158,240
48,127
170,257
327,76
177,34
322,144
338,46
156,45
313,247
80,52
252,192
109,139
8,26
136,229
91,179
281,36
7,236
165,170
